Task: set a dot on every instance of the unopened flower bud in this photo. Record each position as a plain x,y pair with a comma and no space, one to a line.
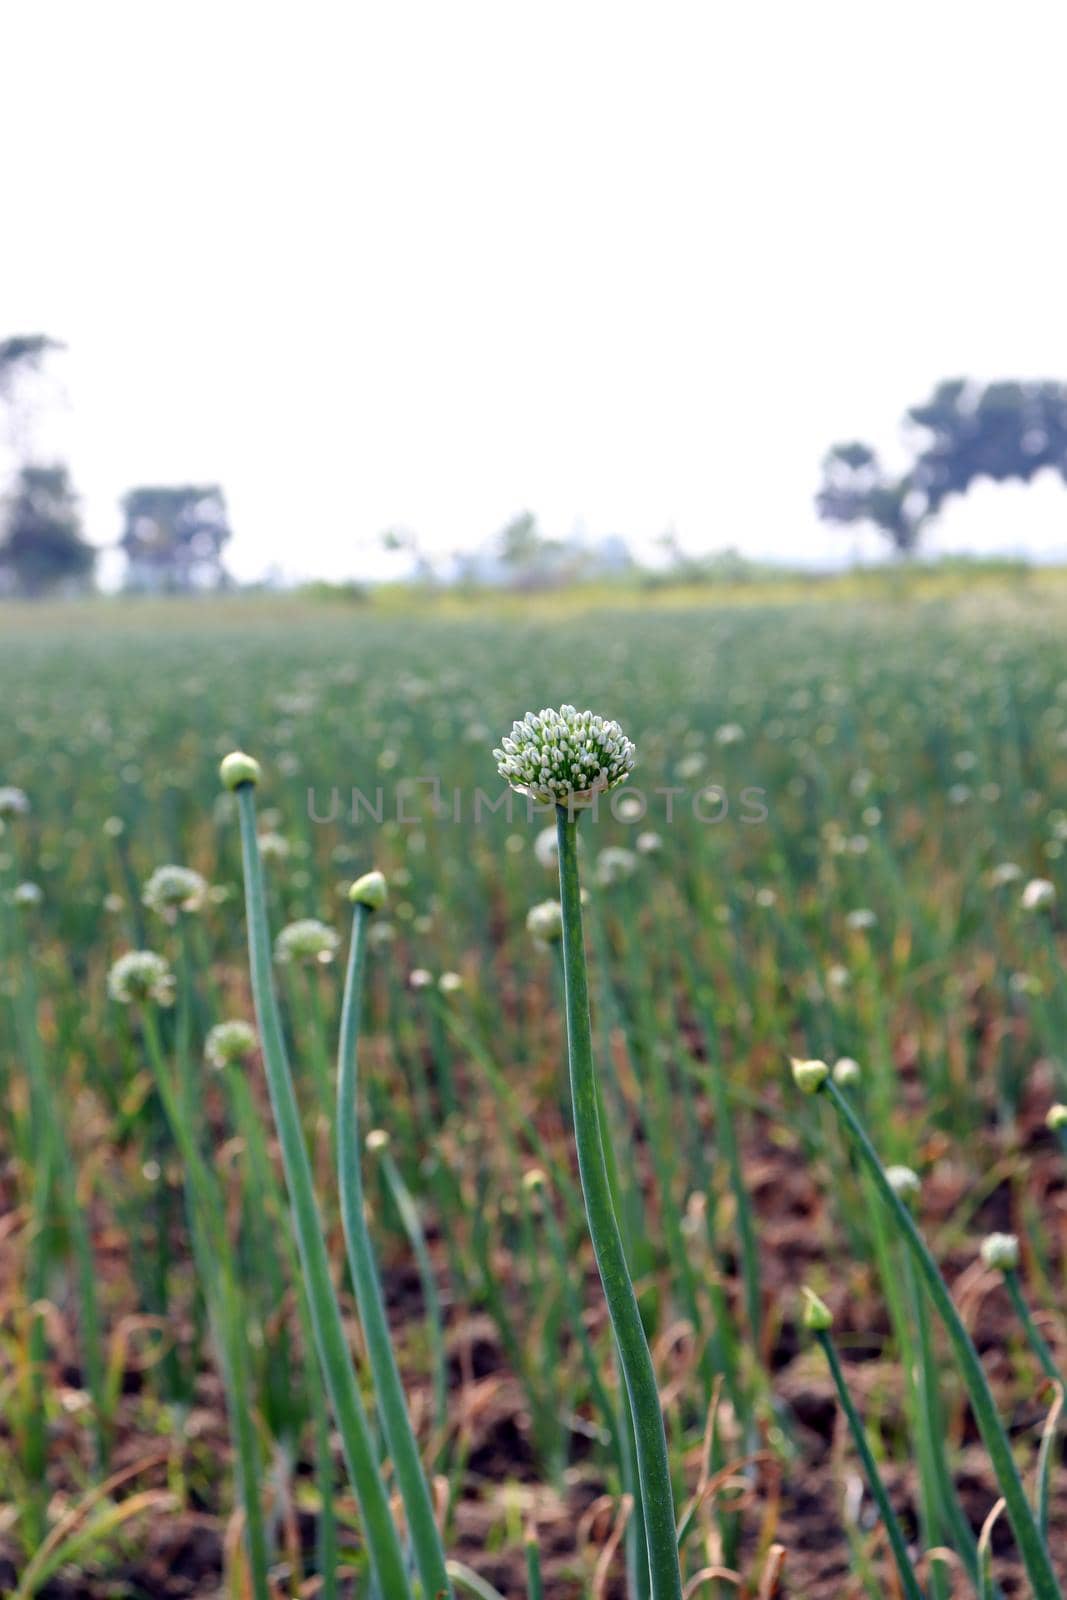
238,770
817,1316
370,890
809,1076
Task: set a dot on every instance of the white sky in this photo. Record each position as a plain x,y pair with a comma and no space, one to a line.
627,265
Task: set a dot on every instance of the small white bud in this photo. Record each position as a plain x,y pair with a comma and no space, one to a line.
1000,1252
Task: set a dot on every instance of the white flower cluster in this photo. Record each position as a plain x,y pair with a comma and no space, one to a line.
140,975
172,889
565,756
13,802
544,922
228,1043
307,940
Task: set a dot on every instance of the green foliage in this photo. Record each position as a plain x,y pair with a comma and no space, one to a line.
965,431
912,762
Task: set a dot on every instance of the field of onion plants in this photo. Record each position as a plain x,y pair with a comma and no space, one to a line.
456,1147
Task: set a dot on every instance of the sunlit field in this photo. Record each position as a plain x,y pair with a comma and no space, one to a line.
842,842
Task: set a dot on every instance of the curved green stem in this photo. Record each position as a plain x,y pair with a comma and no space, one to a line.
425,1538
383,1542
224,1301
638,1372
1031,1547
1030,1328
874,1480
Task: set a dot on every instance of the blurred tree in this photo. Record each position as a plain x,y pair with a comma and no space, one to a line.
965,431
42,547
173,537
22,358
21,353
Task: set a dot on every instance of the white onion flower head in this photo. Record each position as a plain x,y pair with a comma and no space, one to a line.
273,847
1038,893
546,847
13,802
26,894
1000,1252
648,843
140,975
615,864
172,889
544,922
565,757
307,940
1056,1117
450,983
1004,872
228,1043
903,1181
420,978
846,1072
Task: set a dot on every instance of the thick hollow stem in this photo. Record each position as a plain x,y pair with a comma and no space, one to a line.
392,1405
634,1357
335,1359
1031,1546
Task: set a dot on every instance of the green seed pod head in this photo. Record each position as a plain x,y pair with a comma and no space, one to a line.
544,922
846,1072
377,1141
564,757
307,940
1056,1117
173,889
13,802
809,1076
817,1316
904,1182
228,1043
238,770
1000,1252
370,890
138,976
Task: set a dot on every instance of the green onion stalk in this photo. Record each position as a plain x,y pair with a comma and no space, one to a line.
1000,1252
368,894
818,1320
813,1077
634,1356
240,773
567,758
